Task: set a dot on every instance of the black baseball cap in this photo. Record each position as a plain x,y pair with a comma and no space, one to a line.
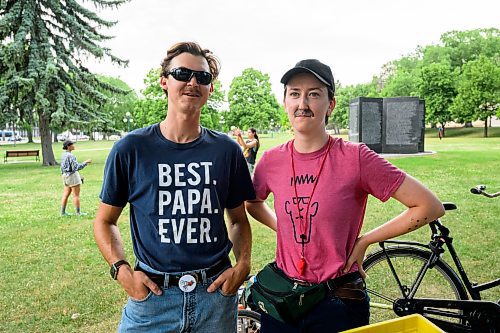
317,68
67,143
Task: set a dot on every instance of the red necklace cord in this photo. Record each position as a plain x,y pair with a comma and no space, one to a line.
303,226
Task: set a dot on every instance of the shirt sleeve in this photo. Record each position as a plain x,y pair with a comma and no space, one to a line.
240,184
260,180
115,190
379,177
69,164
77,166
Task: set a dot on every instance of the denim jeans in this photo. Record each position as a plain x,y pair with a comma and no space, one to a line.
331,315
176,311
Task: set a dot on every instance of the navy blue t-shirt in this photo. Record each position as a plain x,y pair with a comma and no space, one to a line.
177,195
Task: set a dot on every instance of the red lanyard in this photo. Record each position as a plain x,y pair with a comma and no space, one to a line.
301,264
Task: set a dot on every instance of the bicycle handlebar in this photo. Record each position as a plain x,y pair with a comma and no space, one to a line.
480,189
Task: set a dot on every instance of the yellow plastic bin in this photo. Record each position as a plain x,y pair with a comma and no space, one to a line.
414,323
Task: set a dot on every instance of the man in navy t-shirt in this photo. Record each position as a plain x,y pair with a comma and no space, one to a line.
179,179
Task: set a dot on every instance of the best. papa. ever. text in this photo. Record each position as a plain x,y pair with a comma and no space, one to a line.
187,199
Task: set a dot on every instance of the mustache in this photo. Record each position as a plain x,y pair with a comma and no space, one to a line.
303,113
192,90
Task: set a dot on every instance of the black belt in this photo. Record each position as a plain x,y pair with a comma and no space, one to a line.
339,281
350,286
173,279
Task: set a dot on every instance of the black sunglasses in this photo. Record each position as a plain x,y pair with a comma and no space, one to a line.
185,75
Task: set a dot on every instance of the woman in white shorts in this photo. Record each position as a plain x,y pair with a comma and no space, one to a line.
71,177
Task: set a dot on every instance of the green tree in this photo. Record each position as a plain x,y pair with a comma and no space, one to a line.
151,108
251,101
478,91
345,95
465,46
44,45
436,85
402,77
114,110
212,111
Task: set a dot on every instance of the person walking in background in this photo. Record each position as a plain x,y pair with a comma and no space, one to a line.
180,180
321,186
250,146
440,132
71,177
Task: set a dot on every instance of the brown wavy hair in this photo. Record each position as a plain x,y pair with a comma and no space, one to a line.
194,49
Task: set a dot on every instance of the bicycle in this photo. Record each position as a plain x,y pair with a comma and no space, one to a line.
248,320
406,277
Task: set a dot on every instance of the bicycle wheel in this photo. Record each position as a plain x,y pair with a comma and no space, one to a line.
439,282
248,321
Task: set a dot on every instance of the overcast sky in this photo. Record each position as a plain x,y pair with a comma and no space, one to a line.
354,37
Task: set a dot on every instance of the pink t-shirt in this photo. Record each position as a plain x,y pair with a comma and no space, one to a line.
351,172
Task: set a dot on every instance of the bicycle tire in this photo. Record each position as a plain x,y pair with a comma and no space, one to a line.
248,321
440,282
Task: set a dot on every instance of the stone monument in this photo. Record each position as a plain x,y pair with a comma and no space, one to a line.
388,125
365,122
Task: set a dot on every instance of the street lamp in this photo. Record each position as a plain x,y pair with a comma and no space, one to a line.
272,127
128,119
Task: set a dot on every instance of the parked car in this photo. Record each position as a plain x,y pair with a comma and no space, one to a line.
61,137
14,138
72,137
9,136
82,137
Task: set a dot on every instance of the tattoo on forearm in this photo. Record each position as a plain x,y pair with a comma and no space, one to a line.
416,223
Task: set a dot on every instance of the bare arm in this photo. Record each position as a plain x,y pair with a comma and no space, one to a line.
242,142
108,239
260,211
241,236
423,207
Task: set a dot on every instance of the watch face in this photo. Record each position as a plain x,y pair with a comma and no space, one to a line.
115,267
113,271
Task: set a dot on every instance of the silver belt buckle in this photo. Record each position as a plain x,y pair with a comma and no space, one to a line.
187,283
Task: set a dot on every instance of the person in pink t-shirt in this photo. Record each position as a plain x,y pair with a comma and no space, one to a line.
321,186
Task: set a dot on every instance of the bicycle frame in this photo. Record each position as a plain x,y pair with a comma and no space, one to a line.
479,314
436,247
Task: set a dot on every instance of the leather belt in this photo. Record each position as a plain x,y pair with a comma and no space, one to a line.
340,281
173,279
349,286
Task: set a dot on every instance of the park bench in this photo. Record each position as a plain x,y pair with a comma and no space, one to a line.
21,153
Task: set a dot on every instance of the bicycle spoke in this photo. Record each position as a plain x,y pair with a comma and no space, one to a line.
380,306
374,293
401,273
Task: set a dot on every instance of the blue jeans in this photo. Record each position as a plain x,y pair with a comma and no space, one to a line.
331,315
176,311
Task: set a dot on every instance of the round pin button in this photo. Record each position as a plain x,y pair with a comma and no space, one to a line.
187,283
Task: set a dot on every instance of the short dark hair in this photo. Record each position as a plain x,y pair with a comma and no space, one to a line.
194,49
67,143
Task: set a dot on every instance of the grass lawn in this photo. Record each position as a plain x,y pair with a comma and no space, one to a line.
51,270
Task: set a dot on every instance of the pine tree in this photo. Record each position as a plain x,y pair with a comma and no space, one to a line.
42,72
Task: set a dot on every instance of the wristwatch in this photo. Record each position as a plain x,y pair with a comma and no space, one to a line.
116,267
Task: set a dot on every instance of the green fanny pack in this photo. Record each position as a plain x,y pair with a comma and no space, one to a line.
281,297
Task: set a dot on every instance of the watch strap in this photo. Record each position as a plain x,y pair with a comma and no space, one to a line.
115,267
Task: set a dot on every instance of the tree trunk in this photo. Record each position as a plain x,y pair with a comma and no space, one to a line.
30,135
46,140
468,124
486,127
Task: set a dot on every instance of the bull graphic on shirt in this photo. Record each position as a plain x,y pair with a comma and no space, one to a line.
295,217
